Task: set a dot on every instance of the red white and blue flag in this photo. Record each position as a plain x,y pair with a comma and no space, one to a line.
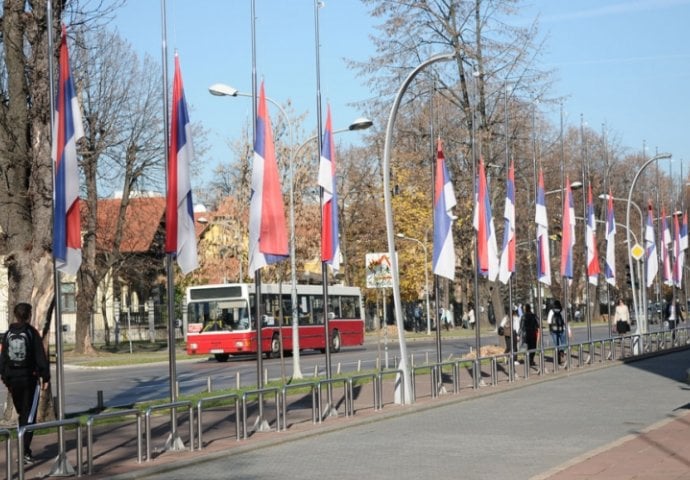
651,258
67,130
667,274
568,233
593,269
179,214
677,253
444,201
540,218
507,266
610,266
487,248
330,244
683,241
268,240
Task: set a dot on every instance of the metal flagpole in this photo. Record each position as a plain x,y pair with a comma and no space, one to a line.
511,368
475,189
538,285
174,442
260,425
585,190
61,467
437,291
330,410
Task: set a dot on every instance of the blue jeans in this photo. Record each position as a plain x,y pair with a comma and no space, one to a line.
559,342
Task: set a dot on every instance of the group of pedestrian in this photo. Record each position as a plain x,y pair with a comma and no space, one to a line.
523,325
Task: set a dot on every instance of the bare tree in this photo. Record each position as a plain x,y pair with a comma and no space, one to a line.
25,160
463,99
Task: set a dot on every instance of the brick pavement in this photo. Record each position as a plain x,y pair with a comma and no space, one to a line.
658,452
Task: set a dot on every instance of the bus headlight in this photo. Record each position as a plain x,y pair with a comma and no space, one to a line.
193,346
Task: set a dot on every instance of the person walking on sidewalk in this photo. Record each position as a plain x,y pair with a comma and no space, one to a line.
529,326
673,316
24,369
621,317
557,328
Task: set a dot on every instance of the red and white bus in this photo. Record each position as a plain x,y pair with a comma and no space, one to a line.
220,318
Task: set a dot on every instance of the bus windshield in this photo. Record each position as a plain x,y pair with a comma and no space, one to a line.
218,315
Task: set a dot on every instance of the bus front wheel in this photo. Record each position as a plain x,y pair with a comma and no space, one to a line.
222,357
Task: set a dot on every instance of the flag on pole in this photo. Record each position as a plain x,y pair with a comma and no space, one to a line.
651,259
487,249
507,266
680,262
568,233
330,244
677,260
268,240
180,235
610,267
540,218
667,274
444,201
593,269
67,130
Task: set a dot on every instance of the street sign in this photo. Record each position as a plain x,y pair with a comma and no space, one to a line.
637,251
378,268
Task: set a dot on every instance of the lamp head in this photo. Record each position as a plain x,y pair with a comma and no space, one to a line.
362,123
222,90
400,235
576,185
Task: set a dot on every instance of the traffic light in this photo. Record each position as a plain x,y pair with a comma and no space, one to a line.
628,280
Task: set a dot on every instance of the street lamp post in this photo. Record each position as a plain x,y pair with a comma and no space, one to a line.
361,123
641,327
426,278
406,380
642,306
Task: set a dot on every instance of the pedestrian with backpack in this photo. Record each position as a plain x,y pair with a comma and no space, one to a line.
24,369
557,329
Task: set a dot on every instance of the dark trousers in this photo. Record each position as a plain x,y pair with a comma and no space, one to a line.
24,392
672,327
531,341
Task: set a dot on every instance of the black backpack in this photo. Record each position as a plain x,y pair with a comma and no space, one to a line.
557,323
18,344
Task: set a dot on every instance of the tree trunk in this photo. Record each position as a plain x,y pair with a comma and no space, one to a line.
25,155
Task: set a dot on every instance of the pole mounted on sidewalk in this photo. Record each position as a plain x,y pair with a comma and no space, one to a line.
641,324
406,398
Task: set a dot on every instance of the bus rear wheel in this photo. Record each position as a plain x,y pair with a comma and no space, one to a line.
335,342
275,346
222,357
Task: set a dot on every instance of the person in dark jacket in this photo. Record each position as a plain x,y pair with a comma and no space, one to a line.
529,326
24,369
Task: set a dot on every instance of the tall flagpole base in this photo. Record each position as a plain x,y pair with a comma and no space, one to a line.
174,443
261,425
329,411
61,467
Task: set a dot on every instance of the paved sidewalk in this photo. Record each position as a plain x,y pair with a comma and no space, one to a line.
605,421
